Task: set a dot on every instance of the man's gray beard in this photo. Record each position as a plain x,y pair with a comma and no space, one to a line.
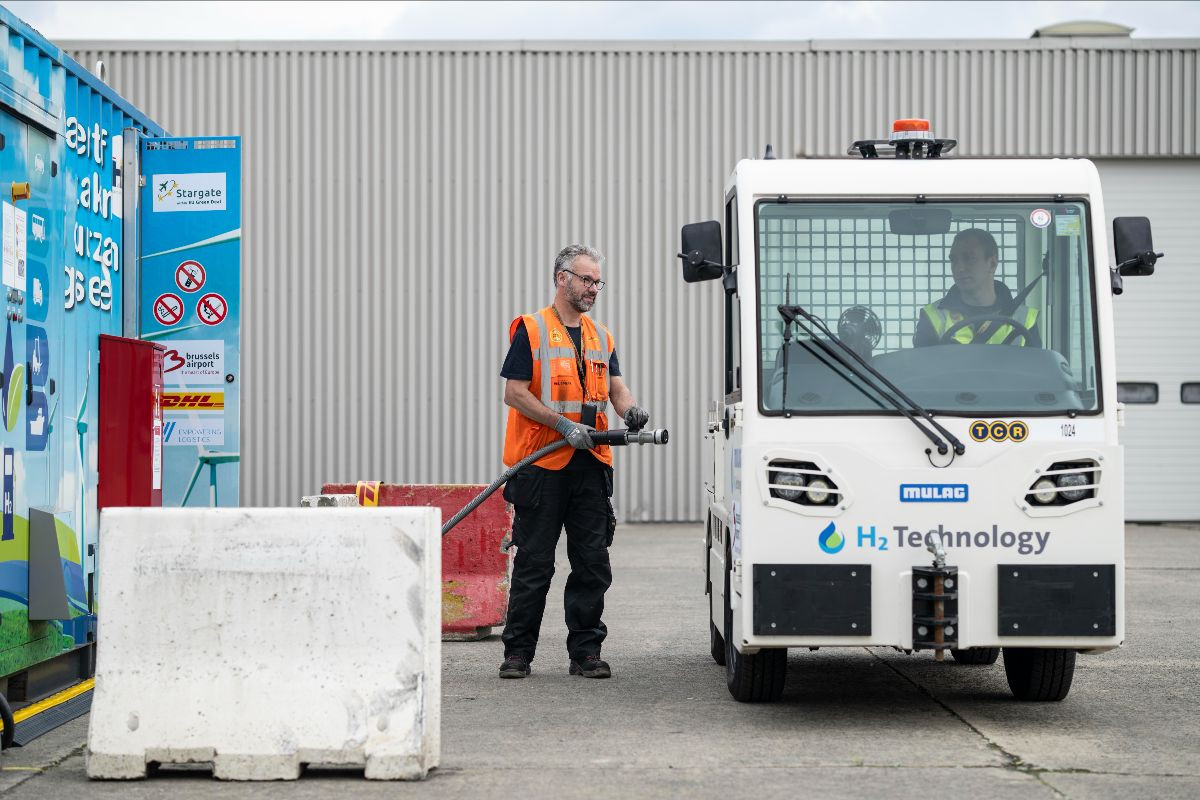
579,303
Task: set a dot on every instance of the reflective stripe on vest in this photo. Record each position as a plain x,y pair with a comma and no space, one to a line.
555,382
944,319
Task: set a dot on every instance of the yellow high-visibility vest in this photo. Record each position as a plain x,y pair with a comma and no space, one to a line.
943,319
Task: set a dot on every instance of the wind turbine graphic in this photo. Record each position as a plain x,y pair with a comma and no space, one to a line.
81,428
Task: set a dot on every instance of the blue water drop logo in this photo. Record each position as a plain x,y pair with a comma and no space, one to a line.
830,540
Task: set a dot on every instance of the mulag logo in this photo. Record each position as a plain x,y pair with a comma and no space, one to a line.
933,493
193,191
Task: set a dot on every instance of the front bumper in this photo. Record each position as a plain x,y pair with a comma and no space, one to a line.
1024,605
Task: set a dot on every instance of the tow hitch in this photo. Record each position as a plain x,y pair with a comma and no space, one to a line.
935,604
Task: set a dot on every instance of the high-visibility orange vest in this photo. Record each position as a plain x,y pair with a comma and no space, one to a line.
556,383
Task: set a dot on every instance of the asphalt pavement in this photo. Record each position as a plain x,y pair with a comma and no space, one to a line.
852,722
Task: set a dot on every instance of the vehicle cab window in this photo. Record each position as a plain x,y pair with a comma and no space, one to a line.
971,307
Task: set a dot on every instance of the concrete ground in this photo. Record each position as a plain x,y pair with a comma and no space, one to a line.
852,722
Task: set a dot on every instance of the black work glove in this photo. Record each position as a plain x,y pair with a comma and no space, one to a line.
636,418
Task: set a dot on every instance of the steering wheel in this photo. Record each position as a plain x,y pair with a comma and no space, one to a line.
1018,330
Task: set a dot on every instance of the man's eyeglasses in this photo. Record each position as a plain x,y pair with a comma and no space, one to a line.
587,282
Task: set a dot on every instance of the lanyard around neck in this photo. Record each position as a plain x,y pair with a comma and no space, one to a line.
580,366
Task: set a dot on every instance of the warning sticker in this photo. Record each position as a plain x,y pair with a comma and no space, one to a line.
189,276
367,493
14,246
168,309
211,309
1068,225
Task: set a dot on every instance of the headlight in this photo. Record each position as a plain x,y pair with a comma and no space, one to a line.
1073,479
1044,491
818,491
787,479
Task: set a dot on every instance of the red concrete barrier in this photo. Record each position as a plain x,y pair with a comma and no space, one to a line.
474,570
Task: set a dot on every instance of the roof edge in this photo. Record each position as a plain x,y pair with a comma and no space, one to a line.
630,46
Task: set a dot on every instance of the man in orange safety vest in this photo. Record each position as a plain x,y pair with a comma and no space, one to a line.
562,377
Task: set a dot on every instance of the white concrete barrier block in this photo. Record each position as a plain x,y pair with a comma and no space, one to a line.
329,501
261,639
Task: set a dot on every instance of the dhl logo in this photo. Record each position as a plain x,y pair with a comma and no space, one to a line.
204,401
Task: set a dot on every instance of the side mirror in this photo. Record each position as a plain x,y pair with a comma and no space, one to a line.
701,251
921,220
1134,246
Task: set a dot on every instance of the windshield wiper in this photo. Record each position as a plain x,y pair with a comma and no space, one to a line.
787,340
816,354
793,313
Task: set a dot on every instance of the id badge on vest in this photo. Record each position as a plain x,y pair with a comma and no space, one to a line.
588,415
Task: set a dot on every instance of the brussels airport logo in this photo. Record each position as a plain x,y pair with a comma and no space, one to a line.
192,191
830,540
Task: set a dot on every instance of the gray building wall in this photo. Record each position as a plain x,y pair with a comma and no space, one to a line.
404,201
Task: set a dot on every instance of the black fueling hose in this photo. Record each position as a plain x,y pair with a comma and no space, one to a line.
612,438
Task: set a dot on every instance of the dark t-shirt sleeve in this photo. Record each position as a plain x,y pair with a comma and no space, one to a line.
614,366
518,364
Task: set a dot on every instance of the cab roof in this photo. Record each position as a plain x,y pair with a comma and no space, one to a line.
944,177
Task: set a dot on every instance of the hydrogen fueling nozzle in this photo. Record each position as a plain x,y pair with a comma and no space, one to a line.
624,437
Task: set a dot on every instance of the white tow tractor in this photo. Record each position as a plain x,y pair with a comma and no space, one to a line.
901,457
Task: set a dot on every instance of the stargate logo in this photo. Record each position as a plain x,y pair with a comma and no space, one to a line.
166,188
830,540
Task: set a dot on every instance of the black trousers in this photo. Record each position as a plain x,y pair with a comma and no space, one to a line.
546,501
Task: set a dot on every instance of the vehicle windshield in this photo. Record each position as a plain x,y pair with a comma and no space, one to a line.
969,307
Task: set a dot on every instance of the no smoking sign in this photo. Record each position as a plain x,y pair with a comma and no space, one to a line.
168,309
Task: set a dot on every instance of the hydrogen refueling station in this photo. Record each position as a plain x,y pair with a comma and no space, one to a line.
931,400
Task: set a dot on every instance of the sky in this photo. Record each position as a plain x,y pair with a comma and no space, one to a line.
619,19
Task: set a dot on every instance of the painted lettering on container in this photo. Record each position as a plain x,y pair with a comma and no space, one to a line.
98,195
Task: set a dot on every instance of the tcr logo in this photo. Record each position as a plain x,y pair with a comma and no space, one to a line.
999,431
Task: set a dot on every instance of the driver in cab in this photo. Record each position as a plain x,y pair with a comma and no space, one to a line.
977,300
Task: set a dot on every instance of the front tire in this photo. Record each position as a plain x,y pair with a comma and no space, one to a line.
976,655
757,678
1039,674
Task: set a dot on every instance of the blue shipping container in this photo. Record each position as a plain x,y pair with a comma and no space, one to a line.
61,133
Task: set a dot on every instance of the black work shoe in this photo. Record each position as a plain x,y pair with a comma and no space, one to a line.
591,667
514,666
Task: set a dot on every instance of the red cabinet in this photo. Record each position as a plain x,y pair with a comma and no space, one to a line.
131,423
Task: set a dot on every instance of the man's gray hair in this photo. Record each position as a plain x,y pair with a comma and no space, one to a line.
566,257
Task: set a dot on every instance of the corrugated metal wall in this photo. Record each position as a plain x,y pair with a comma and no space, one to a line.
405,201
